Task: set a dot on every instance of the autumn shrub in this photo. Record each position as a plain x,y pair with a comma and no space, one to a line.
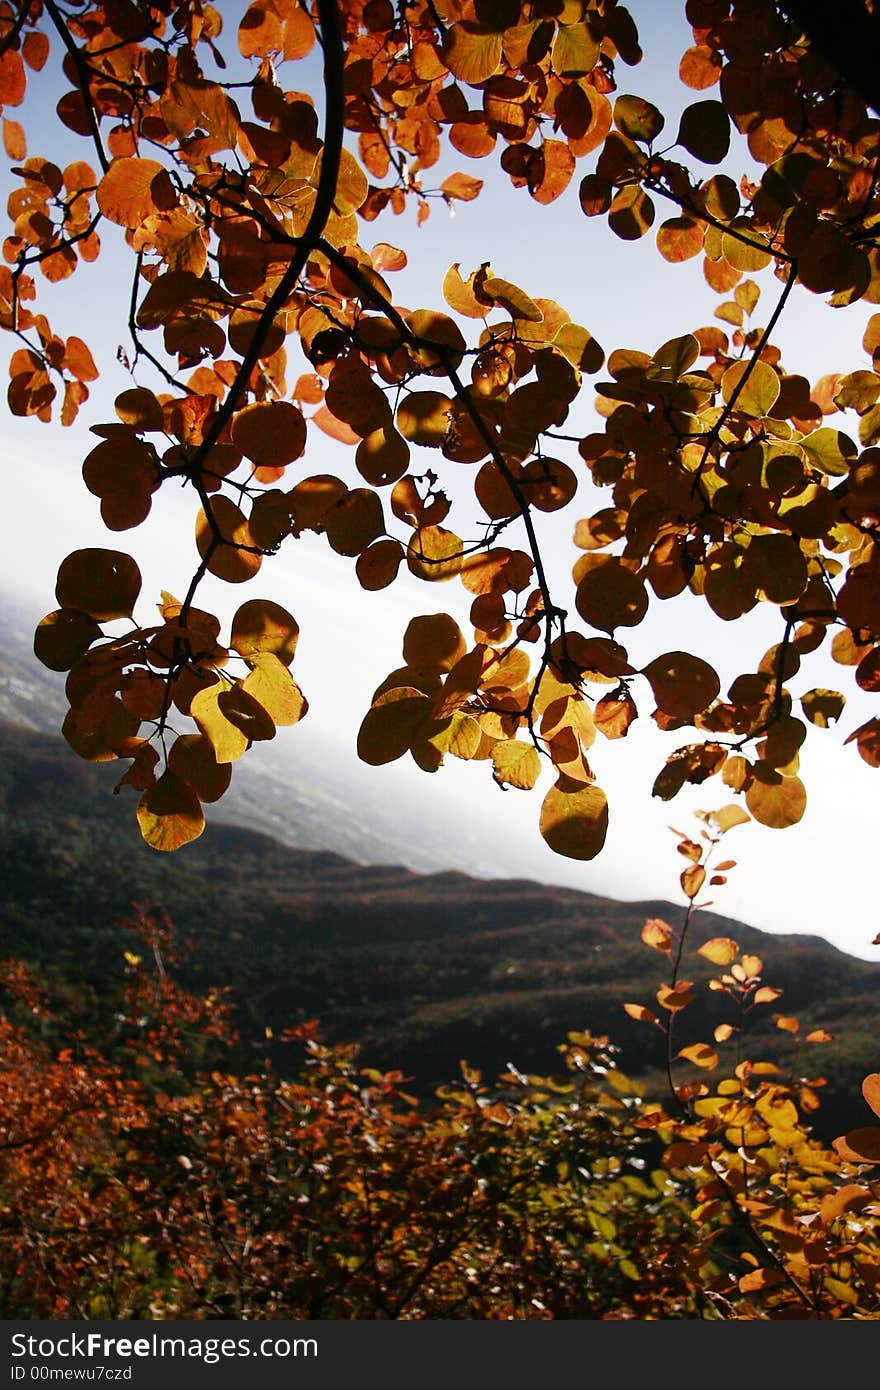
131,1187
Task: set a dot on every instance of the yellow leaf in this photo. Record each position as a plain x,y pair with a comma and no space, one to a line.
465,736
729,816
775,800
169,814
246,713
459,294
227,739
721,950
692,880
388,728
516,763
263,626
701,1054
574,819
675,997
271,684
512,298
434,554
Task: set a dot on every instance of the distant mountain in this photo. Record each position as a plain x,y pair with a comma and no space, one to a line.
292,788
422,969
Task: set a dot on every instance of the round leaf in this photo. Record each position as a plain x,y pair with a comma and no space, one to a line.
170,814
270,433
704,130
63,637
608,594
388,729
574,819
682,684
102,583
776,801
758,394
263,626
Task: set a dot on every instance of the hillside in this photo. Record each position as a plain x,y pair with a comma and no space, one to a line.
422,969
292,789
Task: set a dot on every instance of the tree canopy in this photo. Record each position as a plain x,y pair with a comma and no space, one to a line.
244,155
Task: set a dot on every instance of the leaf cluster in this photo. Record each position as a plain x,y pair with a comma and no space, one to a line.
261,322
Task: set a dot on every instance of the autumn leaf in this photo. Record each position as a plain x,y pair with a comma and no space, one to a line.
104,584
169,814
574,819
516,764
133,189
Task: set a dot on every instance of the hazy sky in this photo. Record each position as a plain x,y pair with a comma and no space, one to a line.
809,878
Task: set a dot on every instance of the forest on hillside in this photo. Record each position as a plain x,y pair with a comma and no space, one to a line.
371,1094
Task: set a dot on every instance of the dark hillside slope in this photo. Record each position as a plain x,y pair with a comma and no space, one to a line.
422,969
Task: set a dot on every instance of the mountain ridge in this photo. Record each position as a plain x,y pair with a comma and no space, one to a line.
421,969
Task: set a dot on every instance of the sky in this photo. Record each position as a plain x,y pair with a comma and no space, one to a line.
811,877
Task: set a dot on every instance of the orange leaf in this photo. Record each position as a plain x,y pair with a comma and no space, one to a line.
871,1091
640,1013
788,1025
860,1145
657,934
701,1054
14,142
683,685
270,433
850,1197
461,186
133,189
63,637
760,1279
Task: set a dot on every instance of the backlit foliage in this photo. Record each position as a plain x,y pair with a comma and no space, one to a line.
260,321
144,1180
